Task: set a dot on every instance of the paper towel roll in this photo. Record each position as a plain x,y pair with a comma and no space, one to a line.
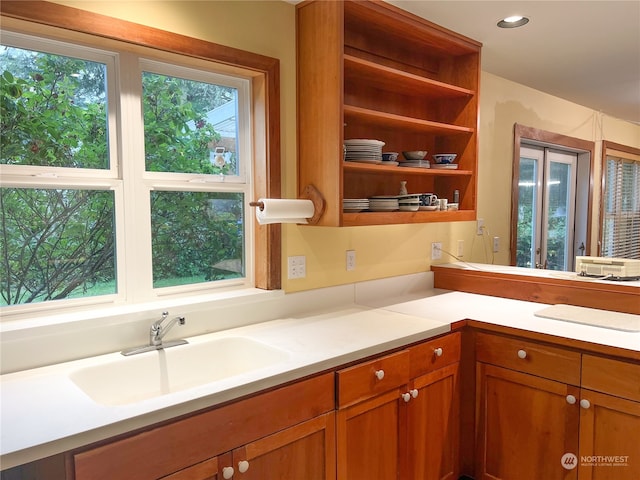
279,210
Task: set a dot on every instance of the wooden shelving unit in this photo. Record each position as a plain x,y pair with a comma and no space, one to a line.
367,69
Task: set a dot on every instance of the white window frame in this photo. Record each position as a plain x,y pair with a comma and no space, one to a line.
543,157
133,243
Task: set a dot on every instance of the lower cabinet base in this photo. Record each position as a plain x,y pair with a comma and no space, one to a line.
508,407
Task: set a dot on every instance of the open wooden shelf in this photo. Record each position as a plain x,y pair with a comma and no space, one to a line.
388,79
391,120
393,169
389,218
369,70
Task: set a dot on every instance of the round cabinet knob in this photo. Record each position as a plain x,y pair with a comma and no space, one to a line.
406,397
414,393
584,403
571,399
522,354
243,466
438,352
227,473
379,374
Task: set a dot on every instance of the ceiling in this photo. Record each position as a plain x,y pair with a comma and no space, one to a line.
585,51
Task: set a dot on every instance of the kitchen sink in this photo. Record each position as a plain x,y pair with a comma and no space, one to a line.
127,380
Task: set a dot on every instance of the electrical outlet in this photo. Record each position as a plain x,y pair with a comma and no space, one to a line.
460,248
496,244
297,267
480,226
351,260
436,251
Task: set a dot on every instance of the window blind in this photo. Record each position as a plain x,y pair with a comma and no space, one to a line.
621,216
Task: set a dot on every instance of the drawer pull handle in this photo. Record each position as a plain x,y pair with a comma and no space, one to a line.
522,354
414,393
243,466
379,374
406,397
227,473
438,352
584,403
571,399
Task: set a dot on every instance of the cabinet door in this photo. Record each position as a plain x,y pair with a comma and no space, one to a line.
432,426
368,438
525,425
304,451
210,469
609,438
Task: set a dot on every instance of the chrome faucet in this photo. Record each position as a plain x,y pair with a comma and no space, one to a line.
158,330
156,333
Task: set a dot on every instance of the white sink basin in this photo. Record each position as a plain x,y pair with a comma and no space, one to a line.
139,377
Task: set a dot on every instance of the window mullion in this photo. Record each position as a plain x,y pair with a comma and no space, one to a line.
134,220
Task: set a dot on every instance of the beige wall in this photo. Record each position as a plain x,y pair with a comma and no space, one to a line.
504,103
268,28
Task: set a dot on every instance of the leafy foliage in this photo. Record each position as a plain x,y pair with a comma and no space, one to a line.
59,243
192,233
170,106
55,113
55,242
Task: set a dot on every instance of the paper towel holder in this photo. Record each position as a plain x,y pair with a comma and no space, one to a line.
310,192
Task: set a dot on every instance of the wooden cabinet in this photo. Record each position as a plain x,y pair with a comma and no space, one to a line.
369,70
610,421
549,412
210,469
369,439
525,425
433,426
290,430
526,414
391,425
304,451
434,413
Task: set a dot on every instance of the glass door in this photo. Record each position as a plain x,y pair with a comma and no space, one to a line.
546,208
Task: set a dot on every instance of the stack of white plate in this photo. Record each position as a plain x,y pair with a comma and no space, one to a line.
445,166
363,151
353,205
416,163
384,204
409,203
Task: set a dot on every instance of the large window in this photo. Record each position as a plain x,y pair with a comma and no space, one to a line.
126,177
621,202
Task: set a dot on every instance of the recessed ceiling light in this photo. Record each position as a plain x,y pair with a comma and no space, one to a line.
513,21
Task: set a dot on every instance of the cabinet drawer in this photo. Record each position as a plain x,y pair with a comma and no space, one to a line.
434,354
614,377
372,378
529,357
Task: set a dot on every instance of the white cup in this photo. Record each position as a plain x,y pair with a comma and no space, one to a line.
443,203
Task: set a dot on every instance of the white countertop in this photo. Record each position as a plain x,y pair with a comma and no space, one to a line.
43,412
